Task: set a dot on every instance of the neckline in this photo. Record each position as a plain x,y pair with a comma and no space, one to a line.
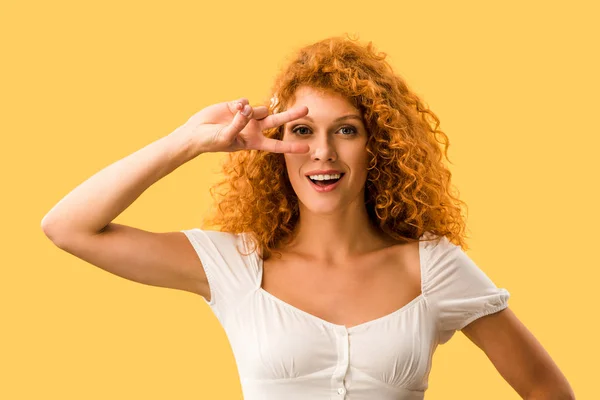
405,307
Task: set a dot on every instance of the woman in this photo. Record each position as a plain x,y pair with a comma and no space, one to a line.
338,266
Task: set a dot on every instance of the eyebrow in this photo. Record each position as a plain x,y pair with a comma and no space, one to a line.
342,118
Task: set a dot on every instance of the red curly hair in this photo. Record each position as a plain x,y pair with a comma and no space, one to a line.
408,190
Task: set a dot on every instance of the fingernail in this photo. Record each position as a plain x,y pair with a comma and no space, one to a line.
246,110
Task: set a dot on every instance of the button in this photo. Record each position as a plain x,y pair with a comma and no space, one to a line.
341,390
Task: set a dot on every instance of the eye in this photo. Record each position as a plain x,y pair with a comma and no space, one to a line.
351,128
348,127
296,130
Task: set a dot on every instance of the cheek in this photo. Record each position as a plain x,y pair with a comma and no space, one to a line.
292,165
358,158
360,163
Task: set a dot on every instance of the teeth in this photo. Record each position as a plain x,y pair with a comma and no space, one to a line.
324,177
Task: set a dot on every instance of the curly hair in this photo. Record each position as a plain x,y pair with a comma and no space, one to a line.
408,190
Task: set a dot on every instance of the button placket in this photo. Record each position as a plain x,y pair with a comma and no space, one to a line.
338,378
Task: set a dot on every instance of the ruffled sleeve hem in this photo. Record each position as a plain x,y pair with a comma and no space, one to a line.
503,297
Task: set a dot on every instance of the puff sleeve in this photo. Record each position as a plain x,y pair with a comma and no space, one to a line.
457,290
230,275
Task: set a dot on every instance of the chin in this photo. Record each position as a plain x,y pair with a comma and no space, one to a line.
325,207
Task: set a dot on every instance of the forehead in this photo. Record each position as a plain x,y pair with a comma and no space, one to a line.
319,99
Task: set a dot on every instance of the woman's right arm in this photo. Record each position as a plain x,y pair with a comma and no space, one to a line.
81,222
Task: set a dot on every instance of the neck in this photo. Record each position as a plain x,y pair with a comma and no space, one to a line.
336,237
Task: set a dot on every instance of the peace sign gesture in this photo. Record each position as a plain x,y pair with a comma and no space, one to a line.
235,125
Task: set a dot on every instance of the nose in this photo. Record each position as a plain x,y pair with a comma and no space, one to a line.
322,148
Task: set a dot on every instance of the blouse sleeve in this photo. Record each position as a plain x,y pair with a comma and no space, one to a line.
230,275
456,289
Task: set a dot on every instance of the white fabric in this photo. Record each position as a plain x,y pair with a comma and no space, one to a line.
283,352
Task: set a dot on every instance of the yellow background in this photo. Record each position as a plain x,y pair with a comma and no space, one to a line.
85,84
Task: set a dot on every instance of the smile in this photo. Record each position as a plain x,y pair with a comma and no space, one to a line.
325,186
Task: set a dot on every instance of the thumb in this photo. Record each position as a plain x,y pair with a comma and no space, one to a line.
236,125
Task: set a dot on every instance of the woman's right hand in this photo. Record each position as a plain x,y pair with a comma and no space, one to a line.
223,127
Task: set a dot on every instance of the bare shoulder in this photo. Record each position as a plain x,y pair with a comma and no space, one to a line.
409,257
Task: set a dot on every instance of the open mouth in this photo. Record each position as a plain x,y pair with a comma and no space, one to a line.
327,183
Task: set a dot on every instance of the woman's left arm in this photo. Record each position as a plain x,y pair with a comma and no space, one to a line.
519,357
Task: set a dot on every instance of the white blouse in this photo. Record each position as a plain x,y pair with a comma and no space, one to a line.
283,352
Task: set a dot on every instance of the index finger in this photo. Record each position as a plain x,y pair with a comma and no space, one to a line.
281,118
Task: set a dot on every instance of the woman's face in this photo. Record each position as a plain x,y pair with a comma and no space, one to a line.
337,138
